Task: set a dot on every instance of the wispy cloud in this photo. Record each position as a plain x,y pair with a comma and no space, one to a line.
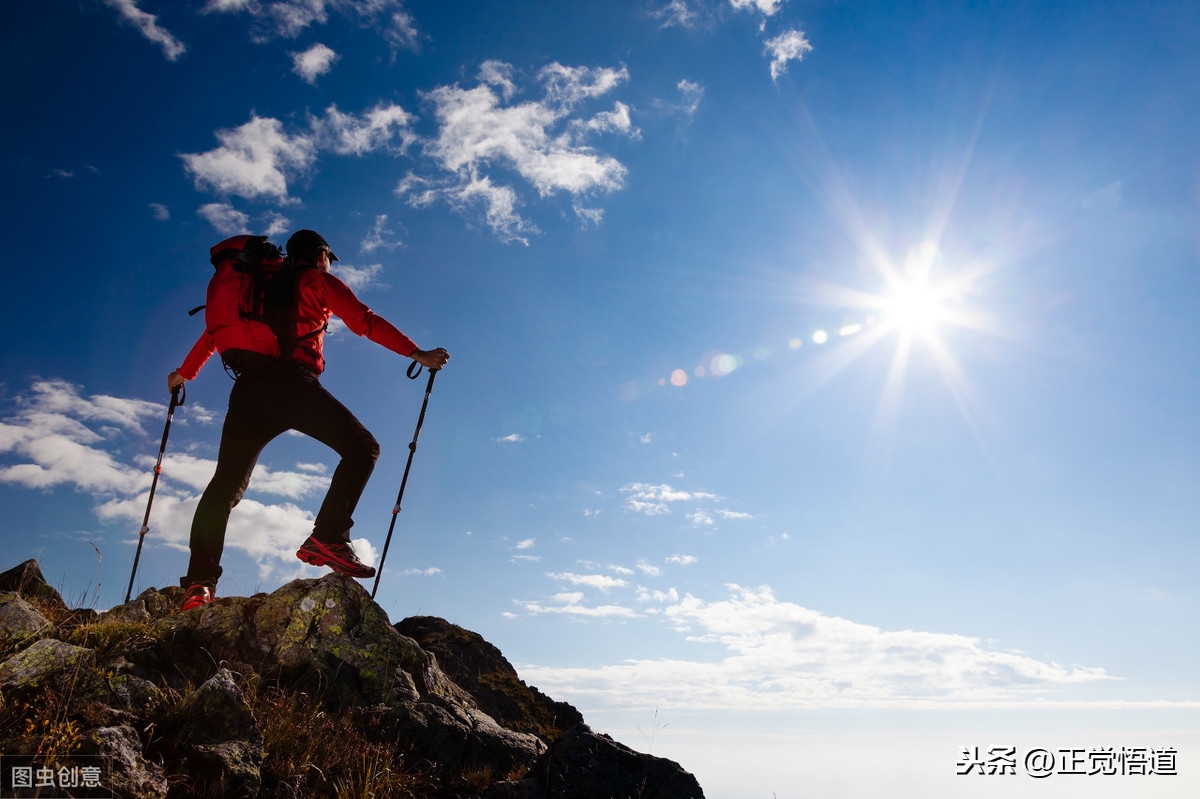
314,62
783,655
290,18
683,560
572,604
358,278
147,25
386,127
601,582
379,236
768,8
160,212
226,219
675,13
653,500
432,571
511,438
481,130
791,45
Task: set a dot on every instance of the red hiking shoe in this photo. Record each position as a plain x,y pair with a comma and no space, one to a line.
199,594
340,557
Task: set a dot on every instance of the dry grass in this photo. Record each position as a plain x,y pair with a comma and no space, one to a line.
314,752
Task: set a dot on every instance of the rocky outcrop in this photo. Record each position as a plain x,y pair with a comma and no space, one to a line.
244,698
584,765
485,674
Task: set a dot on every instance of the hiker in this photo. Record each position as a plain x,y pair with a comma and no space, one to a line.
275,391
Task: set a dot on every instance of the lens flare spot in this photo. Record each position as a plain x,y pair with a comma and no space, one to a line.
849,330
820,337
679,378
795,344
724,364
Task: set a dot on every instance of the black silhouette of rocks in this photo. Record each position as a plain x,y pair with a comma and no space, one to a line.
161,693
484,673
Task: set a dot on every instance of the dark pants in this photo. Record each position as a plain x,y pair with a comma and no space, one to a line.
264,403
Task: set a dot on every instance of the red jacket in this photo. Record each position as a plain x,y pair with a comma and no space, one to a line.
319,295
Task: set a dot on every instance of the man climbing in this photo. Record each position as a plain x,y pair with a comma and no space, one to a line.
277,360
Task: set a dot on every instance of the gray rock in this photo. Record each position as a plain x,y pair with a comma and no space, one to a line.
442,696
20,622
27,580
220,739
132,693
452,735
132,774
483,672
43,660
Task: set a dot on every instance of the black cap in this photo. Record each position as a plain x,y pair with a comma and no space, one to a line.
304,245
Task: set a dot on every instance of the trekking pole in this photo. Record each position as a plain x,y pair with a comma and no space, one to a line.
412,449
178,395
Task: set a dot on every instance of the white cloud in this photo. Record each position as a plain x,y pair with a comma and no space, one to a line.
314,62
147,25
652,499
645,595
733,514
481,131
56,436
690,93
511,438
384,127
601,582
160,211
290,18
779,655
617,120
402,33
572,605
293,16
791,45
229,6
253,160
676,12
358,278
275,224
430,572
683,560
648,569
257,160
527,543
379,236
768,8
701,518
227,220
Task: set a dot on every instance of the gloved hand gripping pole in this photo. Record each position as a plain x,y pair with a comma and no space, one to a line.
412,449
178,395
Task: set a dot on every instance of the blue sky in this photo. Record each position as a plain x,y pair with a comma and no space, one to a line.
823,381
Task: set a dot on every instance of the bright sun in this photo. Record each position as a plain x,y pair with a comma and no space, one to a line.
915,308
916,305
